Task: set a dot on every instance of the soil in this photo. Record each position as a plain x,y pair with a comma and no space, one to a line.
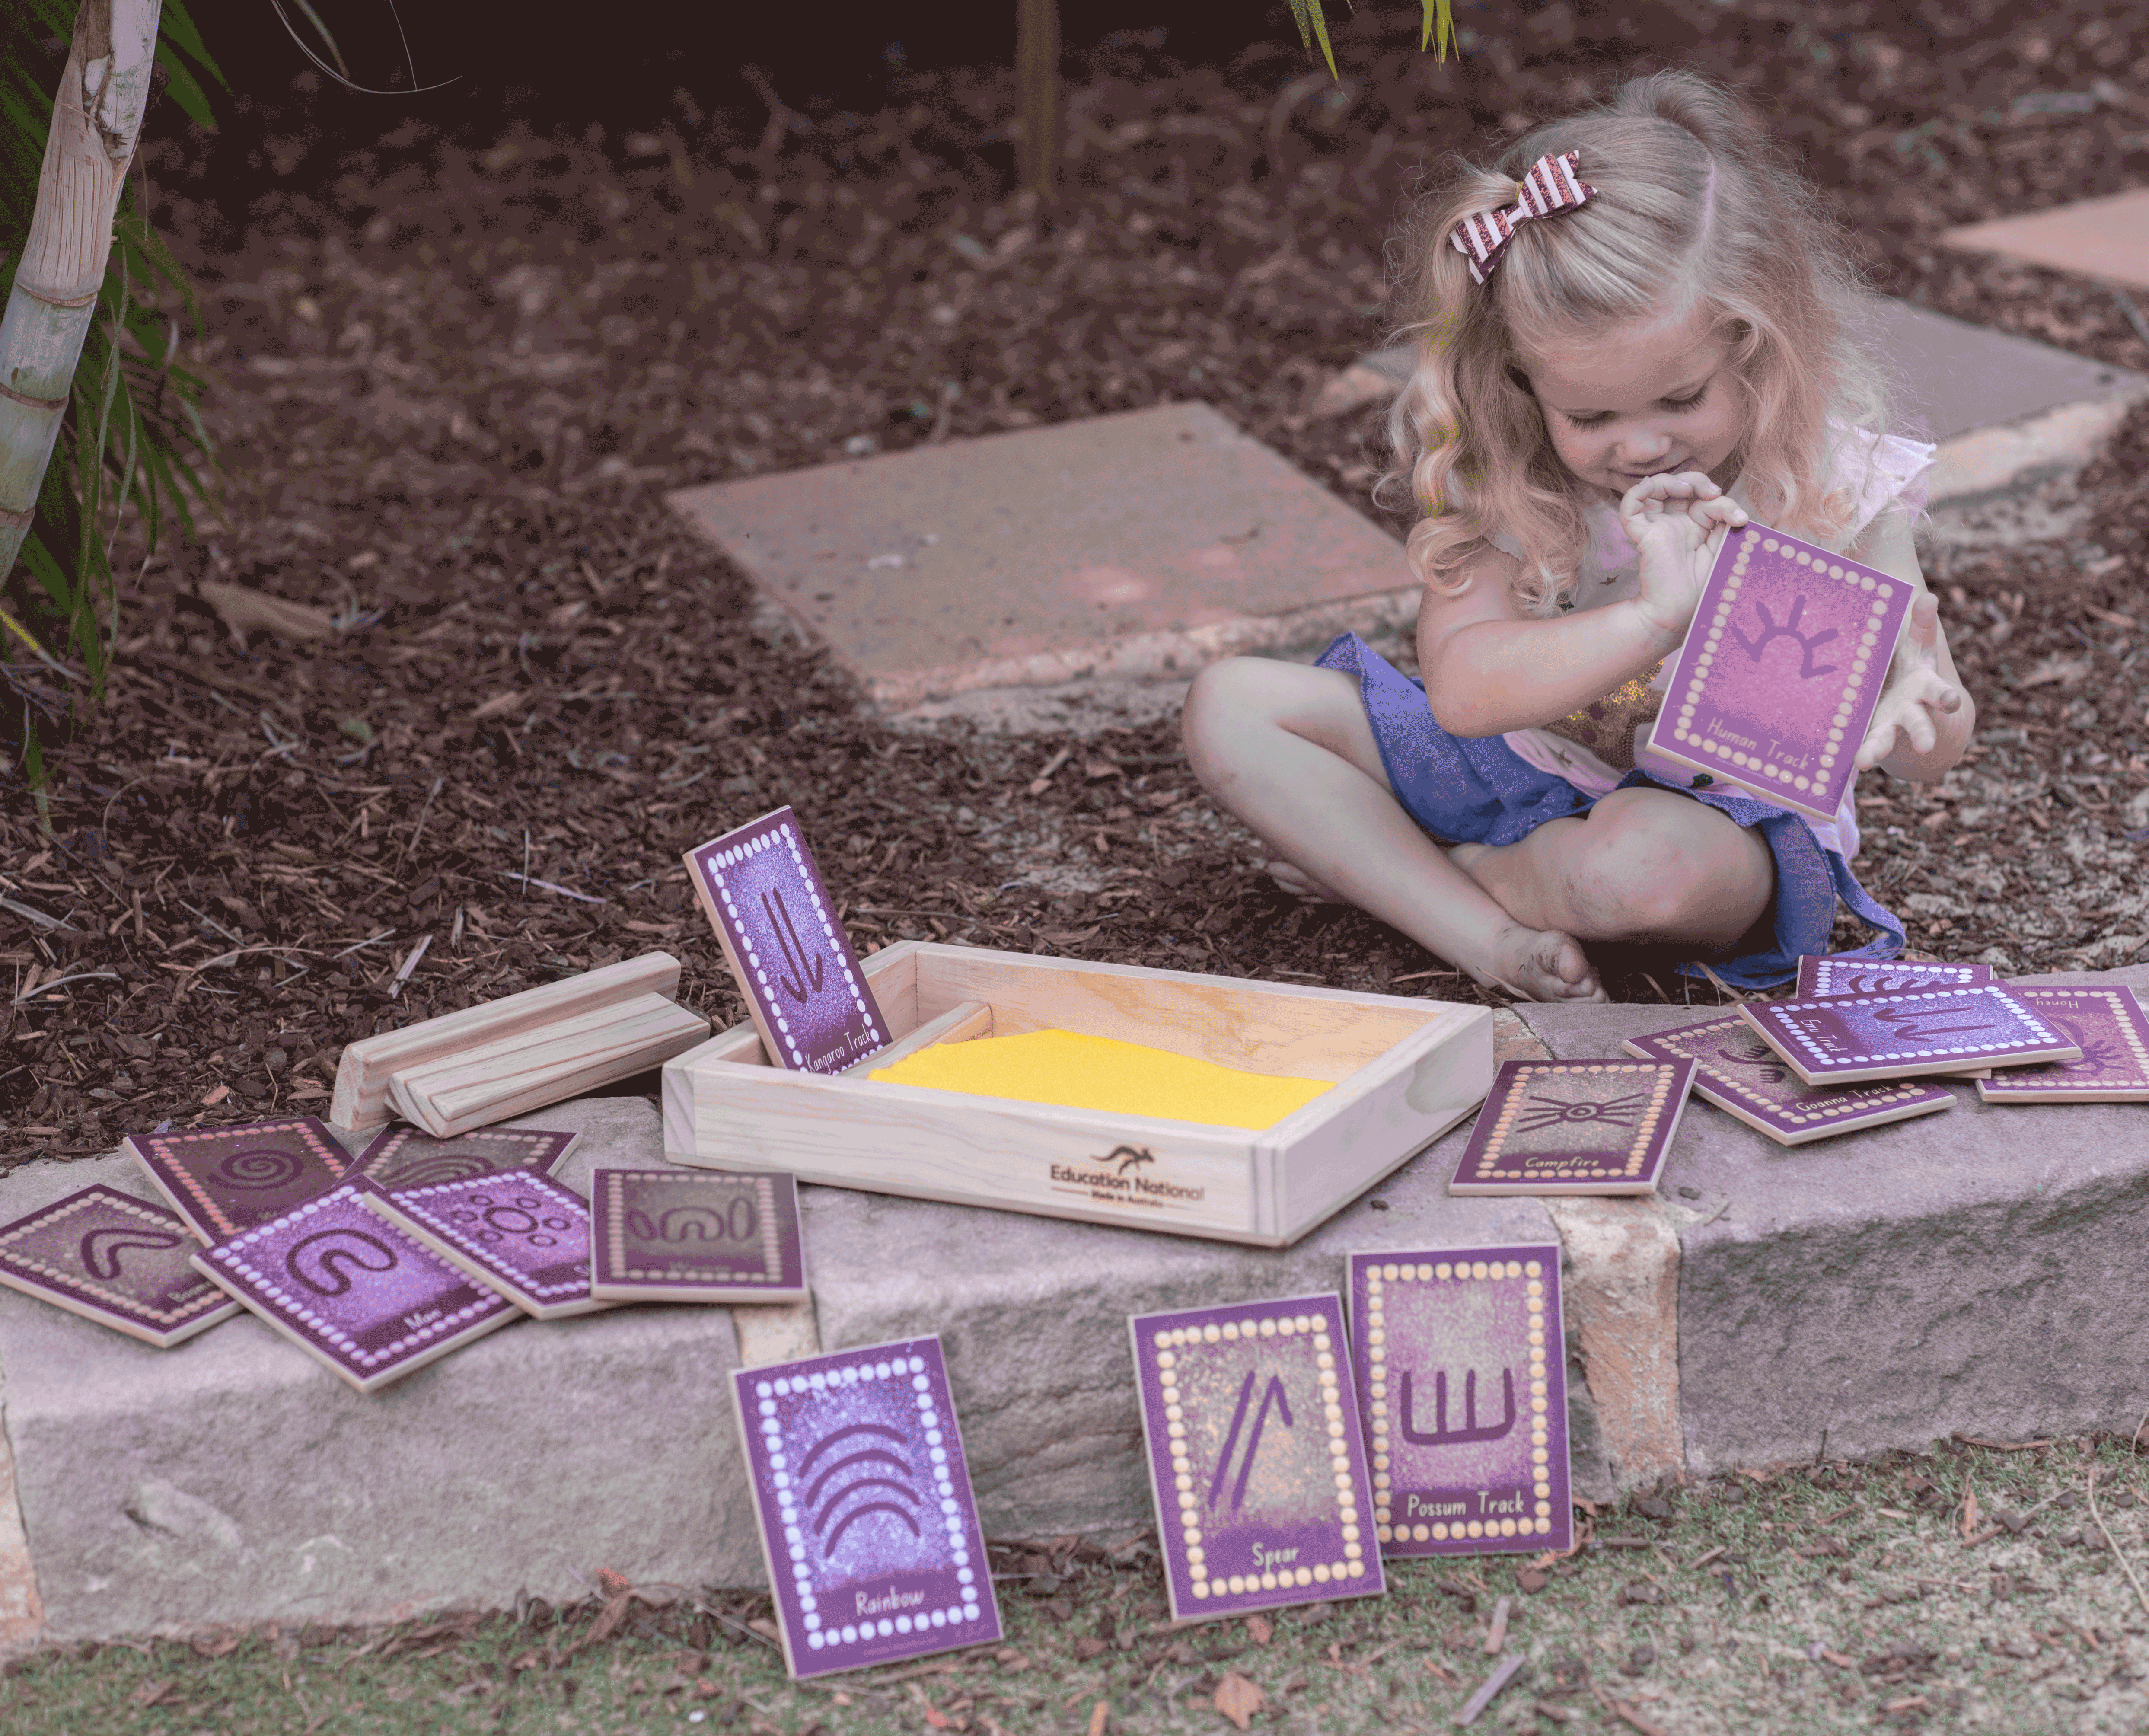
456,373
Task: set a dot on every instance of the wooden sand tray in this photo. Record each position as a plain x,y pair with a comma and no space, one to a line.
1404,1070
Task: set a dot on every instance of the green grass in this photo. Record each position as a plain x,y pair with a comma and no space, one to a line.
1839,1598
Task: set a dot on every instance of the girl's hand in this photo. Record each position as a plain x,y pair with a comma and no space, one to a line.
1678,523
1907,712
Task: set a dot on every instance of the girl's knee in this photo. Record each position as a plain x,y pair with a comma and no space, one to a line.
1224,699
1662,866
1232,705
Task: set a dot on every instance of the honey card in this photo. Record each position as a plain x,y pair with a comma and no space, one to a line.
404,1157
696,1235
1738,1072
115,1260
1820,978
1574,1127
224,1180
516,1232
2105,1022
1915,1034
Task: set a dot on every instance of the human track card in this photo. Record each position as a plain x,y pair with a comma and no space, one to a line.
1574,1127
863,1500
1916,1033
1820,978
115,1260
696,1235
1738,1072
517,1232
2105,1022
1255,1455
405,1157
224,1180
1781,671
1462,1380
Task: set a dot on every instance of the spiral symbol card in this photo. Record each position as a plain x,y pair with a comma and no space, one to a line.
1912,1034
404,1157
865,1508
224,1180
118,1260
1462,1379
1574,1127
516,1232
1781,670
1820,978
2105,1024
696,1235
352,1290
1255,1459
794,963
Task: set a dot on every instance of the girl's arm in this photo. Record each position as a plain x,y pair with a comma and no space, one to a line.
1926,716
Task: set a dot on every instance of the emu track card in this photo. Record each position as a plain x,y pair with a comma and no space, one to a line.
119,1261
352,1290
516,1232
1574,1127
2105,1023
1463,1377
1781,670
1738,1072
1255,1457
1915,1034
224,1180
1820,978
793,962
403,1157
865,1504
696,1235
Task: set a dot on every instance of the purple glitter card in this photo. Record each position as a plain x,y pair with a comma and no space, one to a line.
1781,670
1255,1456
1463,1377
403,1157
1819,978
793,962
1574,1127
696,1235
863,1500
1914,1034
224,1180
353,1291
2105,1023
515,1232
1739,1073
119,1261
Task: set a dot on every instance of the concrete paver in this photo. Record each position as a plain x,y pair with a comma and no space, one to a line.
2106,238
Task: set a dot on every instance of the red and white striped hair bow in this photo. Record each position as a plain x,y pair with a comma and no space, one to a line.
1553,183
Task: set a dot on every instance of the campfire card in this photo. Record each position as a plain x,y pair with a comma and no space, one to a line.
1781,670
696,1235
1574,1127
1915,1034
353,1291
117,1260
403,1157
515,1232
2105,1024
1255,1457
1819,978
1738,1072
224,1180
864,1503
1463,1378
790,957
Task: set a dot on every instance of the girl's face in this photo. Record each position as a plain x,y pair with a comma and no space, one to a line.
1640,401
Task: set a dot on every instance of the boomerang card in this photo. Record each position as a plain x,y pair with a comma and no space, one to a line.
863,1500
1463,1378
793,961
2105,1023
352,1290
1781,670
403,1157
516,1232
1255,1457
1738,1072
1574,1127
1916,1033
119,1261
224,1180
1819,978
696,1235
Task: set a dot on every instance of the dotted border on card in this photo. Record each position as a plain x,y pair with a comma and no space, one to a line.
1777,1013
2129,1024
1882,1095
1935,976
1488,1167
78,1284
156,1144
407,1199
772,1232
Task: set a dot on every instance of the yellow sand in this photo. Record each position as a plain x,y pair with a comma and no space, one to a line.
1101,1073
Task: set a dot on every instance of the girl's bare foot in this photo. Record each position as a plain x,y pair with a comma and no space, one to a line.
1541,964
1294,882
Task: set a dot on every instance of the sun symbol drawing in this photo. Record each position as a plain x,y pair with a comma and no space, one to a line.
1624,1111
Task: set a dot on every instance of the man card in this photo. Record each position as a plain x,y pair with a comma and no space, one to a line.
793,961
404,1157
1463,1377
1574,1127
2105,1023
516,1232
1738,1072
863,1500
1915,1034
1256,1458
1781,670
117,1260
696,1235
224,1180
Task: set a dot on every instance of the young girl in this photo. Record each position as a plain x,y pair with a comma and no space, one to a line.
1631,335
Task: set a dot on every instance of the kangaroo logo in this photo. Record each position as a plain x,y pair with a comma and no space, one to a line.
1788,628
793,949
1131,1157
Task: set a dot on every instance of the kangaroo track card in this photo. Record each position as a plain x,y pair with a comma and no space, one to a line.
1738,1072
1574,1127
1915,1034
115,1260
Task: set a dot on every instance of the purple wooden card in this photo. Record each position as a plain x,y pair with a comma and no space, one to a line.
1574,1127
2105,1023
1820,978
224,1180
119,1261
1255,1457
1781,670
404,1157
793,962
863,1500
1462,1376
1914,1034
515,1232
1738,1072
353,1291
696,1235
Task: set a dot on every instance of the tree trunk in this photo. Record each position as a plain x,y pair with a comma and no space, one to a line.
1037,88
97,120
